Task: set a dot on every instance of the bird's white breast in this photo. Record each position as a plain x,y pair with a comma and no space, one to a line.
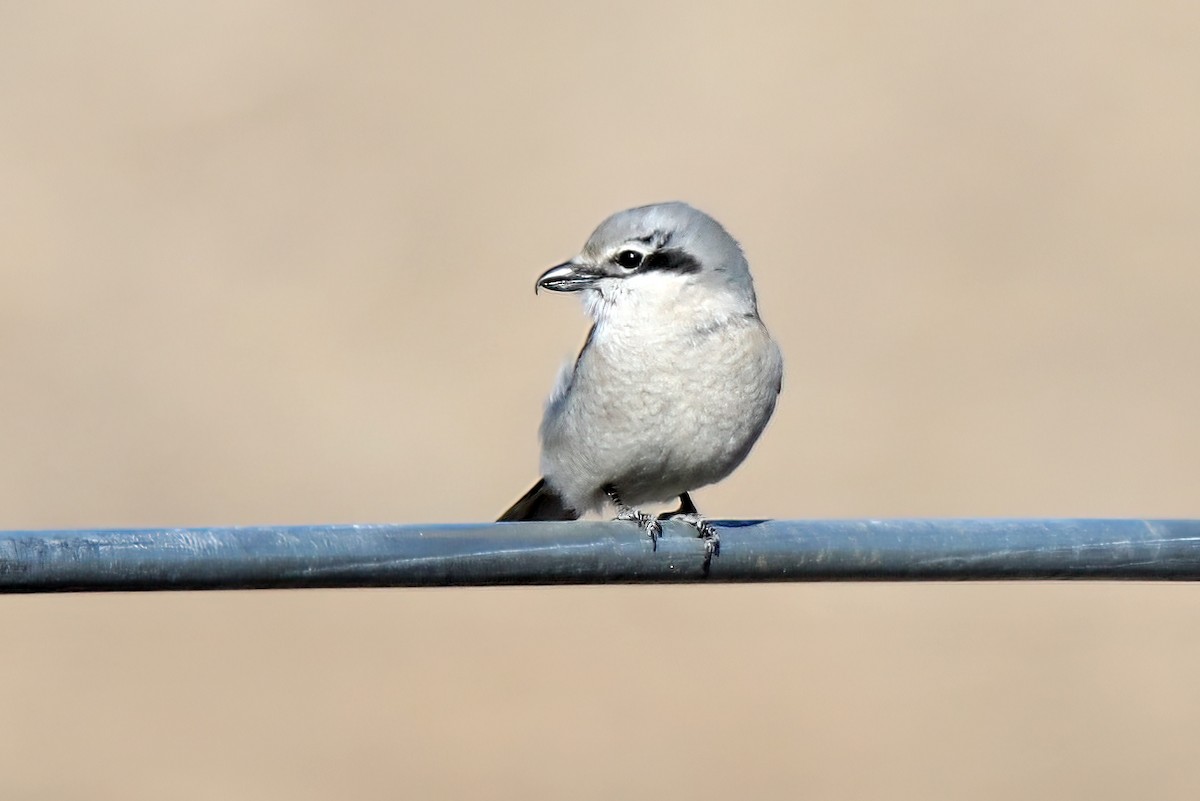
666,397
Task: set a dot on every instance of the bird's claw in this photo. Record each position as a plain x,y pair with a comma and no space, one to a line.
706,530
648,523
712,540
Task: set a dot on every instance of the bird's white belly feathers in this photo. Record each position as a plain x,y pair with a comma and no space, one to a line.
663,410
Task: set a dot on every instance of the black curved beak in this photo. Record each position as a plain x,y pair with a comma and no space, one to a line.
566,277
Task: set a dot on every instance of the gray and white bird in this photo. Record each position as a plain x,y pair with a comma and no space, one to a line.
675,382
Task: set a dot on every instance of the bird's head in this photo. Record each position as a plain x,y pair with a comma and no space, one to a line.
660,255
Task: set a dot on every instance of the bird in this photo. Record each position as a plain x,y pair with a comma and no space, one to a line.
676,379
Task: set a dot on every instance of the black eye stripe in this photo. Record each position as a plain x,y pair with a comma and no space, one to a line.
671,260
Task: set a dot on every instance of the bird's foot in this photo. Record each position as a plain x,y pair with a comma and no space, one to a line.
648,523
706,530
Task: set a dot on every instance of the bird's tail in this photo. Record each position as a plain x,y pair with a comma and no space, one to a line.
540,503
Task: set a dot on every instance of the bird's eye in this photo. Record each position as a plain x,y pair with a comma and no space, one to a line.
629,259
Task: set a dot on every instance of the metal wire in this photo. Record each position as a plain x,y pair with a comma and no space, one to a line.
595,553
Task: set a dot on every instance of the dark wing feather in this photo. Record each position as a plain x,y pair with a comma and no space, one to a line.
540,503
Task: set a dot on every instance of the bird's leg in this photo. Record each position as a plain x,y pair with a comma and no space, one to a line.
651,526
688,514
686,507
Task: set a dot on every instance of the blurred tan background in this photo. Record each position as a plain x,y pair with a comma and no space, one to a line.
271,262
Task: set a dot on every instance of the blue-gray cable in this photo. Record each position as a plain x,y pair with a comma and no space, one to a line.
595,553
